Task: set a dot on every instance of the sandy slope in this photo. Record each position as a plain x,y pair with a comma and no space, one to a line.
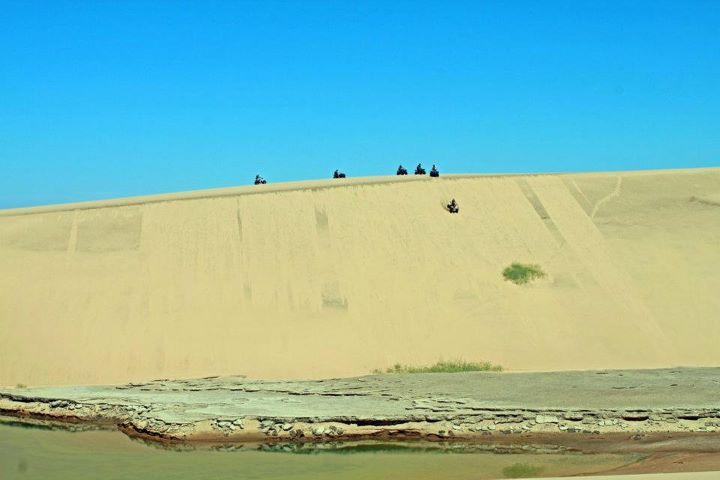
335,278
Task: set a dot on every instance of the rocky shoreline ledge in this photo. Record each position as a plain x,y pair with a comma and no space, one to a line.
627,404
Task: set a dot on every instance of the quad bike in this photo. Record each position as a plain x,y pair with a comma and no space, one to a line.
259,180
338,174
419,170
401,170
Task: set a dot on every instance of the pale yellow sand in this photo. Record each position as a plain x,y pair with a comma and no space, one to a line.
308,281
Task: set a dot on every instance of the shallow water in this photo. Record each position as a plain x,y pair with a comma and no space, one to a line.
28,452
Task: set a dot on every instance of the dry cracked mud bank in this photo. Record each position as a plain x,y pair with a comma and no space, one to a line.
612,405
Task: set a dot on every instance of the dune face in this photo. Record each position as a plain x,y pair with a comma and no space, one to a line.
336,278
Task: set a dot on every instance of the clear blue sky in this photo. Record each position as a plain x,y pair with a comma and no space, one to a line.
102,99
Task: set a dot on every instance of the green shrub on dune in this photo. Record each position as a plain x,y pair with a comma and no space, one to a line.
452,366
520,273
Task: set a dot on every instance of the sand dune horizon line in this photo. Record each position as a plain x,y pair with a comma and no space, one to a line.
272,187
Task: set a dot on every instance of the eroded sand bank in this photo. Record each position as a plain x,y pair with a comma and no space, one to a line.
614,407
337,278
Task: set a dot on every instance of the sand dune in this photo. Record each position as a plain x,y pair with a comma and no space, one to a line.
336,278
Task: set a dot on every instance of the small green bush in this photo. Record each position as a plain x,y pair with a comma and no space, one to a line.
453,366
522,470
520,273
